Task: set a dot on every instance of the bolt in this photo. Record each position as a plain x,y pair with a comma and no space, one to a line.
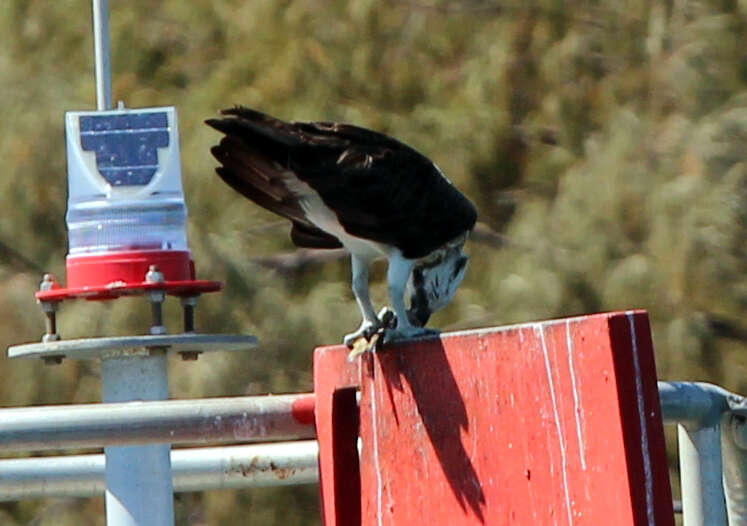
50,334
154,275
188,304
51,322
156,309
50,337
49,282
156,298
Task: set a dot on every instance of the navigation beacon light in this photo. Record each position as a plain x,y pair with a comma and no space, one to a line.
126,209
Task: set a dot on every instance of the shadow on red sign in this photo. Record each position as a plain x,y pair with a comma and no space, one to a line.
549,423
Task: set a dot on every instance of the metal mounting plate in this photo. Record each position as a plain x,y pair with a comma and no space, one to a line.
88,348
116,290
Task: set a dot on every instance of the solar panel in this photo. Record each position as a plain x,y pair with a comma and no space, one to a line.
126,145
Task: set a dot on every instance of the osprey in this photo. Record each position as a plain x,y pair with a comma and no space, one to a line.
345,186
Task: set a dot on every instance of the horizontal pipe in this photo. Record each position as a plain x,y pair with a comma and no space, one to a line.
235,419
695,404
257,465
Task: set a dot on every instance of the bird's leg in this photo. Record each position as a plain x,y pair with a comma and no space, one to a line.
397,276
371,322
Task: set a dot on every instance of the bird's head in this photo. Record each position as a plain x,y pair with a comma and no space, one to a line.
433,283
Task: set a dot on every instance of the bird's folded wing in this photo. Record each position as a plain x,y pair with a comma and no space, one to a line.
378,188
255,177
389,193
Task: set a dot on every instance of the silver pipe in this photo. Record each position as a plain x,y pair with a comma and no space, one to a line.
701,469
138,477
235,419
279,464
691,402
102,55
260,465
713,463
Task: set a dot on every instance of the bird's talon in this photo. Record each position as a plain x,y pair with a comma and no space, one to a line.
366,330
370,331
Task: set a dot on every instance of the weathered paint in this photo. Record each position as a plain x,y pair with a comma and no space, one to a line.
551,423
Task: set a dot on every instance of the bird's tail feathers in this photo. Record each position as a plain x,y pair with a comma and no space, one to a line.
251,165
256,176
258,129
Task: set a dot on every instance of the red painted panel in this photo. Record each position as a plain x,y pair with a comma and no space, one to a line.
337,433
551,423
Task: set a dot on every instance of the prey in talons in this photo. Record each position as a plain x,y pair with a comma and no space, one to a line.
387,332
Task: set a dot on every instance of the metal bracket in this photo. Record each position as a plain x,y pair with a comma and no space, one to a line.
187,344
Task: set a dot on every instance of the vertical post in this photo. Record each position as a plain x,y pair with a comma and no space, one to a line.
139,489
700,473
734,444
102,55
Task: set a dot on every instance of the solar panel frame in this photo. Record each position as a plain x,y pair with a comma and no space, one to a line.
126,145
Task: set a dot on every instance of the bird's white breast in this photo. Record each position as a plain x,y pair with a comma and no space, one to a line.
325,218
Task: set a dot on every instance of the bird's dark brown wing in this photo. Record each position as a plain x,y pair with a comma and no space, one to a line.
383,190
379,188
261,180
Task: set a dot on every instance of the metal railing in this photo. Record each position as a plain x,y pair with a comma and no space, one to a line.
712,441
211,420
206,420
198,469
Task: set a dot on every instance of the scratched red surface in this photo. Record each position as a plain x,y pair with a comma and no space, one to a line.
550,423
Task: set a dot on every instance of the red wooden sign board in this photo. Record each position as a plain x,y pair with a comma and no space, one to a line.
548,423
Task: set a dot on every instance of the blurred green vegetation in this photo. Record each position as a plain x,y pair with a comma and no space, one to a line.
607,141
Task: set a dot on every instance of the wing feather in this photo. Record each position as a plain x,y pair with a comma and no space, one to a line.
379,188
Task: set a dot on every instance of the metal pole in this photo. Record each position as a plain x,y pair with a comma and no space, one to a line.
698,408
734,444
197,421
197,469
102,55
139,488
700,475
